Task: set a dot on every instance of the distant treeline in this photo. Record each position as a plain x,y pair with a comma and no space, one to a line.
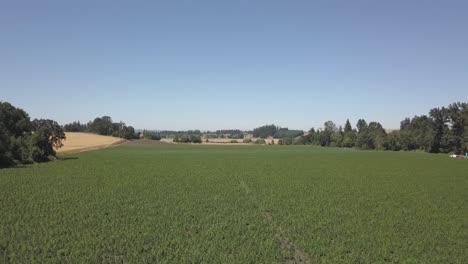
104,126
228,133
188,138
151,135
276,132
443,130
24,141
225,133
173,133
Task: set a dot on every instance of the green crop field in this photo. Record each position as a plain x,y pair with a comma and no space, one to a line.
236,204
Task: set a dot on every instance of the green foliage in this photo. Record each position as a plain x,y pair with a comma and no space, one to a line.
151,135
288,141
233,141
196,204
247,140
417,133
172,133
265,131
444,130
187,138
75,127
47,136
195,139
393,141
285,132
260,141
23,141
299,141
104,126
230,133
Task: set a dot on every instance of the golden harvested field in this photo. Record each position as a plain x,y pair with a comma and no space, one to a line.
77,142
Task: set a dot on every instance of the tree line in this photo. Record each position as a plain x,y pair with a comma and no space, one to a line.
151,135
275,132
104,126
443,130
23,141
173,133
187,138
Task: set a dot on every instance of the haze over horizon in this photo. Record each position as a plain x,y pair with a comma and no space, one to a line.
209,65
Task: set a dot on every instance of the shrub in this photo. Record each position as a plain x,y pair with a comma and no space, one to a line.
233,141
195,139
247,140
260,141
299,141
284,133
288,141
151,135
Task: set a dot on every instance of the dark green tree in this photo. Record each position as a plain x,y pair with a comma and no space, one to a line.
47,137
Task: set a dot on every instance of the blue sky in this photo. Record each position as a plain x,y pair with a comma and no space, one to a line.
233,64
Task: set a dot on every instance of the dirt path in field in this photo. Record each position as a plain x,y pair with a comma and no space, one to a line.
296,255
79,142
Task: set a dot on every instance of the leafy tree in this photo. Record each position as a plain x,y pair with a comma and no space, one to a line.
260,141
377,134
151,135
361,125
288,141
393,141
326,133
349,135
6,157
15,121
127,132
440,120
417,133
247,140
299,141
75,127
47,136
337,138
230,133
363,139
188,138
348,128
457,114
265,131
195,139
285,132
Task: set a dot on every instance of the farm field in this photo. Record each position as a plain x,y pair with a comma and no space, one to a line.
77,142
178,203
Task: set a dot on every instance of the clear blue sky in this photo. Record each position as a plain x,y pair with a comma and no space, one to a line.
233,64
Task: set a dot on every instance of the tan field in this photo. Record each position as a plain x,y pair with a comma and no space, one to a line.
77,142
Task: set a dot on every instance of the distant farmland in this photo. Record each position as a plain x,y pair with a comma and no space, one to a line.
171,203
78,141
